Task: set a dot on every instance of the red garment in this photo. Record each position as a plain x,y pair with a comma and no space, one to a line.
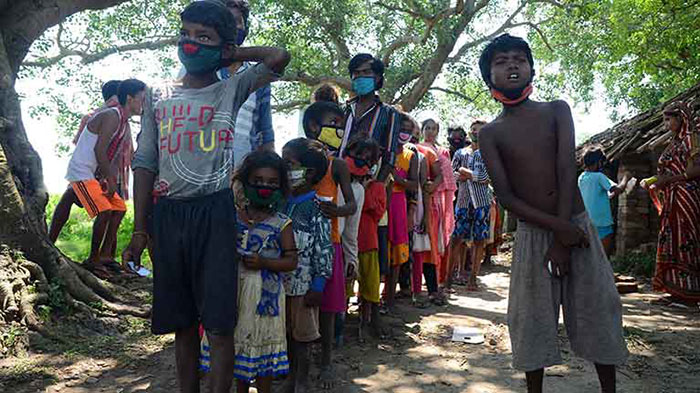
434,210
678,252
372,211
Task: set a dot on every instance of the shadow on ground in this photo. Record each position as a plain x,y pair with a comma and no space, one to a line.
419,357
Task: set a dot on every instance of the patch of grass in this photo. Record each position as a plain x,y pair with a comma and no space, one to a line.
26,370
13,339
635,263
75,237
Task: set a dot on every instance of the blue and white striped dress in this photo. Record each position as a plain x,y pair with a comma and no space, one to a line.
260,340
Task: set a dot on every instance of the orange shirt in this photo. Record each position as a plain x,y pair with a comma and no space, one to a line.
402,165
328,188
431,158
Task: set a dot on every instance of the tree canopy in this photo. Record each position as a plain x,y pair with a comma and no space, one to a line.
640,51
643,52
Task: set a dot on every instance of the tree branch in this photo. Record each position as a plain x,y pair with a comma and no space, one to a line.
430,23
535,26
25,21
287,106
408,11
508,24
458,94
88,58
309,80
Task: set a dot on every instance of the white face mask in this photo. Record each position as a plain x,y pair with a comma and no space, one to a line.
373,170
297,177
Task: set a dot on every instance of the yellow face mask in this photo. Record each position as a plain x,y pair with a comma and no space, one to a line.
331,136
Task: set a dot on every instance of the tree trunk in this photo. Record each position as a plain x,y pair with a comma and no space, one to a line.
23,196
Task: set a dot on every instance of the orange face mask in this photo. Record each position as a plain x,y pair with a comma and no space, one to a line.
500,97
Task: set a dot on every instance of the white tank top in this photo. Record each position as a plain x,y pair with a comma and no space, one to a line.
83,162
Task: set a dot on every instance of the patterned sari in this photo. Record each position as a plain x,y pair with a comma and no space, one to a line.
678,252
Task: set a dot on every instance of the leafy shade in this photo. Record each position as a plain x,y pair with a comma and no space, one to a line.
643,52
420,40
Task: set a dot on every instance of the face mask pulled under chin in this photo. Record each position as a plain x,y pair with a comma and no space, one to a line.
198,58
514,94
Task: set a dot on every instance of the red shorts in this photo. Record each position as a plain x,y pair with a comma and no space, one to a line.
94,200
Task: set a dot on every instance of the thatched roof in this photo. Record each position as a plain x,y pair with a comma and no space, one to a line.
641,133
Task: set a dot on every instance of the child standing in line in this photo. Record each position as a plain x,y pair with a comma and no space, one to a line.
405,174
357,160
307,163
558,260
430,257
323,121
479,200
265,240
597,190
368,245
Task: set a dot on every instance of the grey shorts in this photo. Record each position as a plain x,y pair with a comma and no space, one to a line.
588,296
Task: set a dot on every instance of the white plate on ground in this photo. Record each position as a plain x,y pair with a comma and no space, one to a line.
466,334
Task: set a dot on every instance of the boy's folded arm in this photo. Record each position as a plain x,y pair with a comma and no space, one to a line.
507,198
566,159
274,60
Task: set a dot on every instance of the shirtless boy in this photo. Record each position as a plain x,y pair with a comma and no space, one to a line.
558,259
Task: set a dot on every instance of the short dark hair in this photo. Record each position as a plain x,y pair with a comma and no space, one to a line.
263,159
244,7
377,66
359,143
478,121
212,14
311,154
327,92
110,89
426,121
316,111
593,155
503,43
129,87
459,129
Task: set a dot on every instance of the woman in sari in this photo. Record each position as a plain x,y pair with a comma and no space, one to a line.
443,196
676,194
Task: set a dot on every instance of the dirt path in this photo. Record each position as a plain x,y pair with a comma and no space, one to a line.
420,357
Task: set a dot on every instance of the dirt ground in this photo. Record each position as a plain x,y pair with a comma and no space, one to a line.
420,357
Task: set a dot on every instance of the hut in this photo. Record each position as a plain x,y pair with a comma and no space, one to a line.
634,146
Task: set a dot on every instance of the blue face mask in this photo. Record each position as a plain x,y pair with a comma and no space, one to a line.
363,85
240,36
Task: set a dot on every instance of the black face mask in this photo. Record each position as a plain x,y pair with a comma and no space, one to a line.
457,143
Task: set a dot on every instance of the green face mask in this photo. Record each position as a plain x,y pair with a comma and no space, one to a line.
263,196
198,58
